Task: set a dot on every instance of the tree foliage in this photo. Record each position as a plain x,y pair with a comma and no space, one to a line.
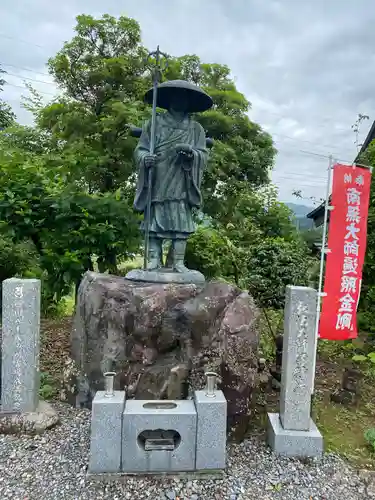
15,258
67,226
104,72
101,74
7,117
210,251
275,263
258,248
67,183
243,153
367,302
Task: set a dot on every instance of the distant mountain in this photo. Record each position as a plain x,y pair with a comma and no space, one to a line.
300,212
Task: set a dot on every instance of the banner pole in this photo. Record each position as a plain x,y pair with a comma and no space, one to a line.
324,251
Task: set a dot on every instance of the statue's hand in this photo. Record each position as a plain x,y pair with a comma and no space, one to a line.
184,148
150,161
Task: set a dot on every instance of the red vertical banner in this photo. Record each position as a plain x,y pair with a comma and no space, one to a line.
347,236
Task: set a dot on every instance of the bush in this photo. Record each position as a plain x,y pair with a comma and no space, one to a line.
370,438
273,264
22,261
212,253
264,267
15,258
48,386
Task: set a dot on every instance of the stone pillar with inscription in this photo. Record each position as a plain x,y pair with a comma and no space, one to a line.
292,431
20,345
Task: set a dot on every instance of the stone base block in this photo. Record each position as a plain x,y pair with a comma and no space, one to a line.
299,444
35,422
159,436
165,275
211,431
106,428
197,475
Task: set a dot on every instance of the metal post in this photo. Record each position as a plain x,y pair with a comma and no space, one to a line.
109,379
155,81
323,252
211,384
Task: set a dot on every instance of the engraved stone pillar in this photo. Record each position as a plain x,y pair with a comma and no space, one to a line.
292,432
20,345
298,353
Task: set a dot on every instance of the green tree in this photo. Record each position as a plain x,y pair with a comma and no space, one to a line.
101,75
257,208
367,302
15,258
243,154
256,246
68,183
67,226
275,263
211,252
7,117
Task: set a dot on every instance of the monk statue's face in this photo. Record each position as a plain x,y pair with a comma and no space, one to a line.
179,103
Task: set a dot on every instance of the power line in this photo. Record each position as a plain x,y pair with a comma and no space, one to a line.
22,41
272,134
296,177
299,183
324,120
23,69
284,152
300,174
329,146
321,118
30,79
23,87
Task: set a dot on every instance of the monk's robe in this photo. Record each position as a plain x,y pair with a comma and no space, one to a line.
176,180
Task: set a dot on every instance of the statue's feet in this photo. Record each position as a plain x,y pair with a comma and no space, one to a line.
153,265
180,268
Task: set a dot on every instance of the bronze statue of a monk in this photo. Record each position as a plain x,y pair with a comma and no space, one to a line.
177,166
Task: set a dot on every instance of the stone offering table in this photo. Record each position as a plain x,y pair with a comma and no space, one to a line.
158,437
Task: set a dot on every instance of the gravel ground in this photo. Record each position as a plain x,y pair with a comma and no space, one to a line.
53,466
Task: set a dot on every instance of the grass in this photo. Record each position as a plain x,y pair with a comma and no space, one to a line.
343,430
343,427
124,267
69,304
130,264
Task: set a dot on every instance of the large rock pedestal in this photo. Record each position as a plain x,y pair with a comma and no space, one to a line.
161,338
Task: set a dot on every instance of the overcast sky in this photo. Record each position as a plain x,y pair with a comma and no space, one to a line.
308,67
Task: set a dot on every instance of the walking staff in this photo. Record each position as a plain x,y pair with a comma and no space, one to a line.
156,77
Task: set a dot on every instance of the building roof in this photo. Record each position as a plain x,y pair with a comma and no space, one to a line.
318,213
315,214
369,138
